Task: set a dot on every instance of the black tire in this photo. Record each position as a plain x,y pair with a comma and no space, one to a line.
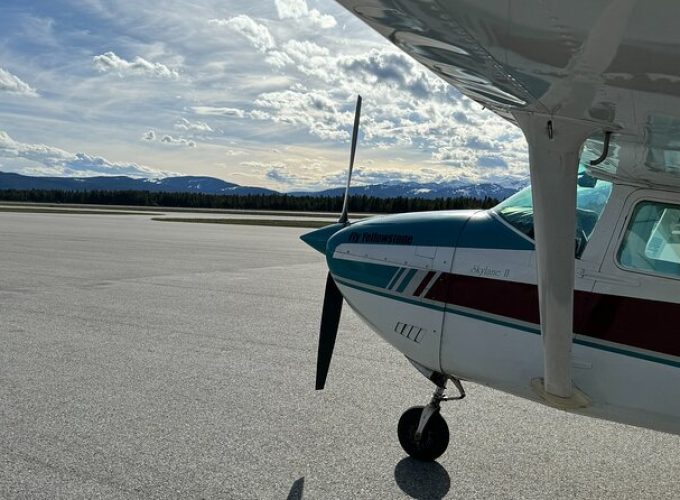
432,443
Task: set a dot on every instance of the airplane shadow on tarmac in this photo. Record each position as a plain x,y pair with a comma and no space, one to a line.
419,480
422,480
297,489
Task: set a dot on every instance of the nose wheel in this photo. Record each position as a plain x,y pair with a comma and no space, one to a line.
423,432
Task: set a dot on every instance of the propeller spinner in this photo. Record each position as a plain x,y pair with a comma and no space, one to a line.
332,302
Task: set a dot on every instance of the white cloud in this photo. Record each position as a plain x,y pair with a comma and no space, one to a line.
234,152
281,175
110,62
325,21
316,111
178,141
257,165
278,59
291,9
304,50
169,139
257,114
14,85
298,9
48,160
197,126
257,34
218,111
9,148
396,69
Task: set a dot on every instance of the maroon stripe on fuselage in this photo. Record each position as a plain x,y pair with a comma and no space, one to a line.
428,277
641,323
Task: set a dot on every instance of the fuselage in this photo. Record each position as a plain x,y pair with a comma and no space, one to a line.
455,291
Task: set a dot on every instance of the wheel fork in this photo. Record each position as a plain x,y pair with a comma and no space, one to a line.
434,405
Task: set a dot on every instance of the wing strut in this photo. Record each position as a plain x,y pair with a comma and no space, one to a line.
554,150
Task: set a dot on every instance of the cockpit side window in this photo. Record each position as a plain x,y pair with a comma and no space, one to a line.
652,239
591,197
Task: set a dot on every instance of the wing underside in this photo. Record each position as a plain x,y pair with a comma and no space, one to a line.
615,64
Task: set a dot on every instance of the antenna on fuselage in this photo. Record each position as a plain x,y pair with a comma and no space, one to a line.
355,135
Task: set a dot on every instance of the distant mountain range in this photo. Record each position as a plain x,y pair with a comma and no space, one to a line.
425,190
183,184
212,185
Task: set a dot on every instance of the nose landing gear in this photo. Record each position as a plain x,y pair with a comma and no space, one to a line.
422,431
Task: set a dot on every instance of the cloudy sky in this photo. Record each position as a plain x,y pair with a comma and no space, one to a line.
257,92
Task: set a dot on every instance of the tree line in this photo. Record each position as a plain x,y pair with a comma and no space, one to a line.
358,203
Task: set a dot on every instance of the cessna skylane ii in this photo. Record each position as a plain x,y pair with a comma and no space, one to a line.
567,293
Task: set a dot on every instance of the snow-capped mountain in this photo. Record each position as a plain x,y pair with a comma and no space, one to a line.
425,190
181,184
212,185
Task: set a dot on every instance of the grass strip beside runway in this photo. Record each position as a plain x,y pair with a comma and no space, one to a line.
249,222
36,210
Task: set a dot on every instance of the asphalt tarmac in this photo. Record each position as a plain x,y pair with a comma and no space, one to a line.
142,359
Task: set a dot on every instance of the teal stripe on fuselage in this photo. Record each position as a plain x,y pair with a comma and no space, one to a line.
399,298
396,278
378,275
445,229
404,283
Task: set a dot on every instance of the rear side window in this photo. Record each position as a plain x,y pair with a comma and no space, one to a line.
652,239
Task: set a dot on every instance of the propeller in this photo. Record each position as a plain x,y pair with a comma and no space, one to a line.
332,300
355,134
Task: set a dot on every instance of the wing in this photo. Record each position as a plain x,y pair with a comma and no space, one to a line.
564,72
612,63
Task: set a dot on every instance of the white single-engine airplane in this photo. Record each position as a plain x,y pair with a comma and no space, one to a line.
568,292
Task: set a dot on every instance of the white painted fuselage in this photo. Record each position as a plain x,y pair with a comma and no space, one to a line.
469,310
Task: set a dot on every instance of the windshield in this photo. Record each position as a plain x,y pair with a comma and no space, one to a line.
591,196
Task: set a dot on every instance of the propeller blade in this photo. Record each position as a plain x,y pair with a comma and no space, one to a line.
355,134
332,301
330,319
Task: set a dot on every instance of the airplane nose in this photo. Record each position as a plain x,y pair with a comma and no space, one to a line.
318,238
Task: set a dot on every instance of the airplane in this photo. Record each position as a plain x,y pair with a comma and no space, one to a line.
567,292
